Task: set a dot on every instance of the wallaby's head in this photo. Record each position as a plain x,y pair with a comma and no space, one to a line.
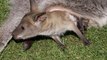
28,27
49,23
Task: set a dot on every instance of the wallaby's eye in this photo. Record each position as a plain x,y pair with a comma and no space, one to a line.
22,28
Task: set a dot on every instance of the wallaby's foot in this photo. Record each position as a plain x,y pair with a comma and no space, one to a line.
86,42
62,47
27,44
57,39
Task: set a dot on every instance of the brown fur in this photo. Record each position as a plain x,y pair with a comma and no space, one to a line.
94,10
52,24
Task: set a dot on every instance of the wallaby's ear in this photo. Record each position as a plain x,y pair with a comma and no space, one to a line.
33,7
40,18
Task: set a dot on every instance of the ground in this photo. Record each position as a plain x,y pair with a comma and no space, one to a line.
47,49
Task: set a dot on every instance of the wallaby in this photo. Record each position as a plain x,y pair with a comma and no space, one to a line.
93,10
52,24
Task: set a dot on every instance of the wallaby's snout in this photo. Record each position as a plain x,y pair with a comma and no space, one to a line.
17,32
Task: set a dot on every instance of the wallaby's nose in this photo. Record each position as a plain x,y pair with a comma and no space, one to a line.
16,36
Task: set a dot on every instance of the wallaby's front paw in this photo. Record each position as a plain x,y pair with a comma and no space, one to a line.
87,42
26,45
62,47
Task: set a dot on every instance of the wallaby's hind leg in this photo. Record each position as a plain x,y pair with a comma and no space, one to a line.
80,26
81,36
58,41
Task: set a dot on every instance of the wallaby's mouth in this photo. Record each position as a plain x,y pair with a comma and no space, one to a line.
16,37
22,37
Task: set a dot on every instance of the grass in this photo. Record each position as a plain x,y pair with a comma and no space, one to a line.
46,49
3,10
